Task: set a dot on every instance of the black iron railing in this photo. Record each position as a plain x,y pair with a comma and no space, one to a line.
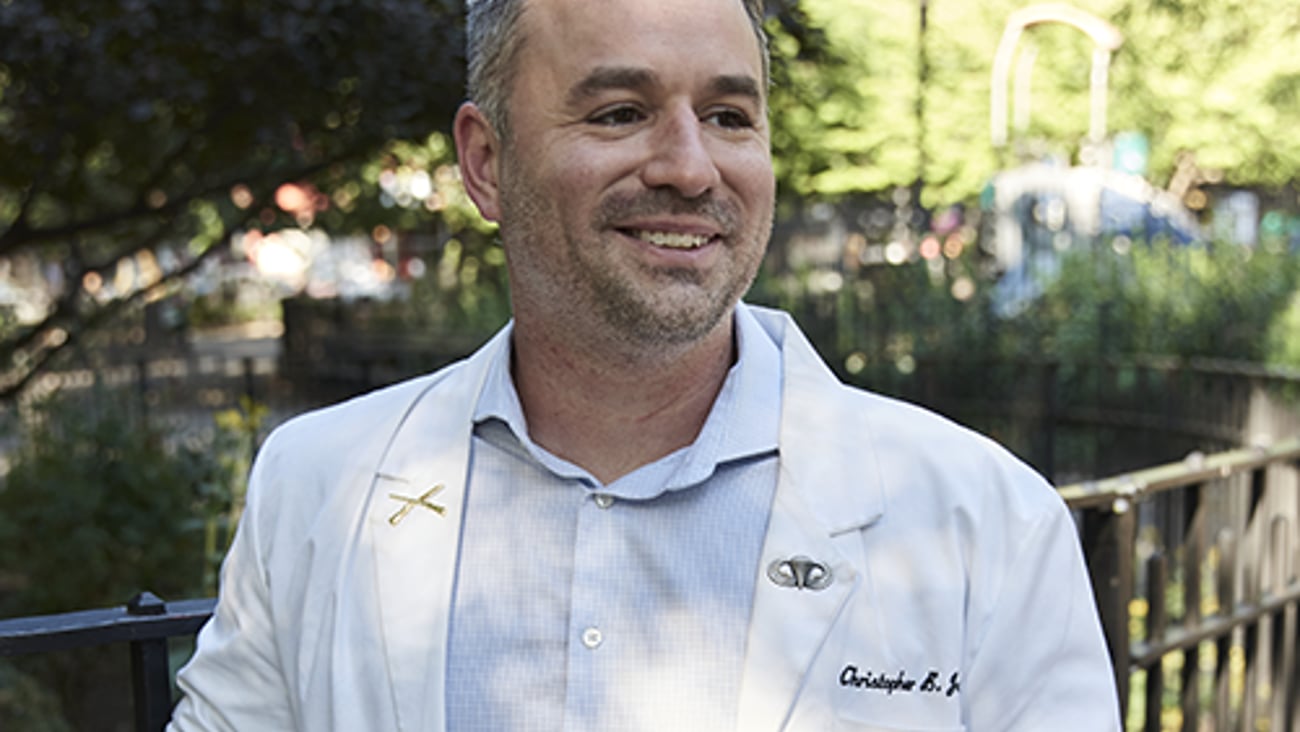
145,623
1194,565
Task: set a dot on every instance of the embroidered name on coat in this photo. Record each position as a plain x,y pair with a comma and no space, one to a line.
902,683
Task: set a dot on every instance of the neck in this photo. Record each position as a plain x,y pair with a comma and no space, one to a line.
611,410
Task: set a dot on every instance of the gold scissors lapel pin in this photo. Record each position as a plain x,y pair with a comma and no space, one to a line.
410,504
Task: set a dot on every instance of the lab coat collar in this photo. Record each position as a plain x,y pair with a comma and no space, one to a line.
826,449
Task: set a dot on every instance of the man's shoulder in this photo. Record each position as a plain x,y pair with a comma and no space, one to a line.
319,466
320,447
910,421
890,418
912,452
921,452
371,415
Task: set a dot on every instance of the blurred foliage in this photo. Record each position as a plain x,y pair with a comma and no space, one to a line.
1283,344
1216,301
1119,362
136,125
842,97
233,301
461,283
1218,80
99,503
123,503
1110,300
238,433
26,705
465,292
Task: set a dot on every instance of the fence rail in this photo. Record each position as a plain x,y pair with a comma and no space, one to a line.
1194,565
145,623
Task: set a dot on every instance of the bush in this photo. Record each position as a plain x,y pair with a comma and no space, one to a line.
98,504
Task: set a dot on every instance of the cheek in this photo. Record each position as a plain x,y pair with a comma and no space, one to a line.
751,176
572,188
578,186
591,166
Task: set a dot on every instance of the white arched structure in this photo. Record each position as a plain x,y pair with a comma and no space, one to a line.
1105,37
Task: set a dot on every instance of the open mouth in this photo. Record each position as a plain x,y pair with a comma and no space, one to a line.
669,239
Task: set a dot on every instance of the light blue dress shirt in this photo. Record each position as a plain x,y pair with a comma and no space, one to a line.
621,607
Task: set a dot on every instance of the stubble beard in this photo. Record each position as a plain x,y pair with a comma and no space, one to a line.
639,310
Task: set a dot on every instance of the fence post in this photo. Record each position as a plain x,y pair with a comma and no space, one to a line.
150,670
1108,537
1193,546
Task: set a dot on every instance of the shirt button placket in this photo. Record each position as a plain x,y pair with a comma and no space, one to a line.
589,602
591,636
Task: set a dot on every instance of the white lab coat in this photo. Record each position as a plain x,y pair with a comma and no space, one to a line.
958,597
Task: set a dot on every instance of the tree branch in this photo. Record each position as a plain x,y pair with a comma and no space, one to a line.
65,317
17,237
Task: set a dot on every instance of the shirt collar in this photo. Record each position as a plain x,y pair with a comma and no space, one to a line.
744,421
752,393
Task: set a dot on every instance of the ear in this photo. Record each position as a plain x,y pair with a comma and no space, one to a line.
479,152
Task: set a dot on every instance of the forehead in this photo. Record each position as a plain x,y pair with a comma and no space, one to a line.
568,39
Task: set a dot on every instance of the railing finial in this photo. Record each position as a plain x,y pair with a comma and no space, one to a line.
146,603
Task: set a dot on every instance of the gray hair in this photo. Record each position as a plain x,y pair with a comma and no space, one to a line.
494,37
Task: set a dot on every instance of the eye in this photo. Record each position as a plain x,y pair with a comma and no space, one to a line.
616,116
730,118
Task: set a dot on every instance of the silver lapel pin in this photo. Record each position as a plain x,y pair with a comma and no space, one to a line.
801,573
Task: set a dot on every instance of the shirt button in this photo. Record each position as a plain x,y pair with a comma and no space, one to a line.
604,500
591,638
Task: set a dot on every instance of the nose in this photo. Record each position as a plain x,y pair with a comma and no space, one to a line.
679,155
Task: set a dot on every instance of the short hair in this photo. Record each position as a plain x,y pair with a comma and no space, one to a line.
494,37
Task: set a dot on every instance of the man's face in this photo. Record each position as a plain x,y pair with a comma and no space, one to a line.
636,188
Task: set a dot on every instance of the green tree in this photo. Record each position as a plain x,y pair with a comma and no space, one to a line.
1218,79
842,98
147,125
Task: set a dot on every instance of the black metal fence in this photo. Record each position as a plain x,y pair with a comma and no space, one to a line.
145,624
1194,565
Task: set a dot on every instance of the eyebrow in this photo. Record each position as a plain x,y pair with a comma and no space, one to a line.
738,85
606,78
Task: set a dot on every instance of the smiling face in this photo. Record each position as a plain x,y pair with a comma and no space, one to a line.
635,192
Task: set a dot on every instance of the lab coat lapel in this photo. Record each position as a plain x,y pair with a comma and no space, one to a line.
414,528
788,625
827,489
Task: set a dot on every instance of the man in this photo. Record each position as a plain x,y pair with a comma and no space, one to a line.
641,506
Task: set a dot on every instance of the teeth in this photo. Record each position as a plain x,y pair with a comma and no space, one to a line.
672,240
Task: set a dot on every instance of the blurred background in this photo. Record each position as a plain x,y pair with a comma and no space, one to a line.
1076,228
